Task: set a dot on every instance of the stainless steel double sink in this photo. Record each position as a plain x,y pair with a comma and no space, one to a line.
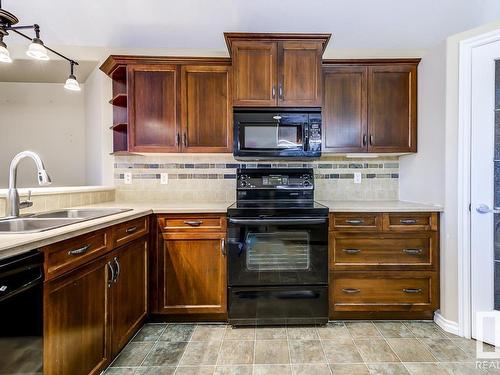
43,221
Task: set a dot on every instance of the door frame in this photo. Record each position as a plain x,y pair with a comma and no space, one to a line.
466,48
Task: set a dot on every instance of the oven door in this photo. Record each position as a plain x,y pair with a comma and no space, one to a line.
278,251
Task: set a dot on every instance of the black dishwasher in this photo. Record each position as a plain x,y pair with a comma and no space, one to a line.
21,314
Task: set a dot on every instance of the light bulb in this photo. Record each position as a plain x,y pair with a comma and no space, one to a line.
72,84
4,54
37,50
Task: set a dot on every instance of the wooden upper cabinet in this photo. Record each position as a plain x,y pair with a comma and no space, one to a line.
273,69
300,83
392,108
255,73
152,103
206,108
345,109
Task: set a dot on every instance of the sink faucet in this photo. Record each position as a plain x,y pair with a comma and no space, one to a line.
13,202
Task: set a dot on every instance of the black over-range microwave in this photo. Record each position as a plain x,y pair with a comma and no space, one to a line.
277,134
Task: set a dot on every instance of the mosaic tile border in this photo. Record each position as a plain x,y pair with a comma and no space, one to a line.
350,165
231,176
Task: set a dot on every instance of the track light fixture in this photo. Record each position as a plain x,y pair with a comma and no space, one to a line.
36,50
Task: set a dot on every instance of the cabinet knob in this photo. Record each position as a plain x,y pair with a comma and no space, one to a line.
412,290
408,221
351,251
412,251
79,251
193,223
355,221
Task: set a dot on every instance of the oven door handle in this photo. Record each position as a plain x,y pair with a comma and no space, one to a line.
278,221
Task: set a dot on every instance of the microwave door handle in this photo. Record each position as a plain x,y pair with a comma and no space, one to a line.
306,137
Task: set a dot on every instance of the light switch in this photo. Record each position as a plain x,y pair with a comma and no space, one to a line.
164,178
357,177
127,178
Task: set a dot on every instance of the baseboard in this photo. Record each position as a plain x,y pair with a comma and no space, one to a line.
445,324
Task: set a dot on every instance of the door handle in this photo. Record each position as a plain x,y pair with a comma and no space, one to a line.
365,139
371,140
280,91
178,139
118,270
408,221
131,229
112,279
273,92
484,209
184,139
223,246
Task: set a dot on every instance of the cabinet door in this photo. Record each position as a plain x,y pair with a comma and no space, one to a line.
128,292
193,273
206,109
300,83
152,101
344,109
392,108
255,73
75,322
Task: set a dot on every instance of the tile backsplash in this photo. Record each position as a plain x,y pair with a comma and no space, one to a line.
202,177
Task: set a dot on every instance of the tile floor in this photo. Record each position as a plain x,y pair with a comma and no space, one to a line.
354,348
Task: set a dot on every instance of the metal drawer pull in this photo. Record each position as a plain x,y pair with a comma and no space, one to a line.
412,251
351,290
80,250
193,223
131,229
408,221
118,270
112,279
351,251
354,221
412,290
223,246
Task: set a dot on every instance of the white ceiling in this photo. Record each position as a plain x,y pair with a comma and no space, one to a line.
91,30
199,24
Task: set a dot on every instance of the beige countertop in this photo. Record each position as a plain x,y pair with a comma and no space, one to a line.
11,244
380,206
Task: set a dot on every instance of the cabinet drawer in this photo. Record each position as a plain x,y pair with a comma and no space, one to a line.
383,291
356,222
197,223
67,255
414,221
130,230
390,250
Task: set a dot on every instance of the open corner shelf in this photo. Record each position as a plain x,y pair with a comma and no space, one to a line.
121,126
119,100
119,74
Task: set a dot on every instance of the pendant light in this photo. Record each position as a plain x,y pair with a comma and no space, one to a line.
71,83
4,52
36,50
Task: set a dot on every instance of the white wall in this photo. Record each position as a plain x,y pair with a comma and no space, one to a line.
98,119
421,175
47,119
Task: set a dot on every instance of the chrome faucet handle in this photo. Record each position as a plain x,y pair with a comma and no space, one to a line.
27,203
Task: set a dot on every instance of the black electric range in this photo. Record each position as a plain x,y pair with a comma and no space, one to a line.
277,249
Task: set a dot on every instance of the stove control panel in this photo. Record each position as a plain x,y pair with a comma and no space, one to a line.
292,181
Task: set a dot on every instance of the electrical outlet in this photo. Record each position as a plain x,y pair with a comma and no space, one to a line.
357,177
164,178
127,178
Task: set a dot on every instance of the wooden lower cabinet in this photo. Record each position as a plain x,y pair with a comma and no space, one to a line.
128,293
91,312
76,321
374,291
384,265
192,271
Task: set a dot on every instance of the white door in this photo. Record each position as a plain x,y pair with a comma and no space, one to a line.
485,192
